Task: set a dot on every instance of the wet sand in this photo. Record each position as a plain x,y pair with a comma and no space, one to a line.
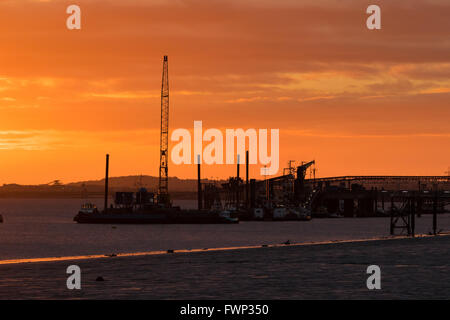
410,269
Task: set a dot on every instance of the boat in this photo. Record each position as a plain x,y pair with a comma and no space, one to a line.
320,212
334,215
258,213
242,214
280,213
139,208
300,213
291,213
88,208
157,216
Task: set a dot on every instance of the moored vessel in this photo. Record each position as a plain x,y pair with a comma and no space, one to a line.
140,208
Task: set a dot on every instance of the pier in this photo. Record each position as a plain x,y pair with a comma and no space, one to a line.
341,196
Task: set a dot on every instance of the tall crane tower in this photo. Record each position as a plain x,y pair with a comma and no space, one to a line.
163,189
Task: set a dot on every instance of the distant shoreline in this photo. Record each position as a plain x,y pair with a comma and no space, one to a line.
188,195
180,189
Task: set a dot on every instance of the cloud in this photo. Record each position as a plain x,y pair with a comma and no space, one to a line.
349,135
70,140
233,63
22,140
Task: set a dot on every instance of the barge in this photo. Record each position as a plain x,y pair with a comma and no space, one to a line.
138,208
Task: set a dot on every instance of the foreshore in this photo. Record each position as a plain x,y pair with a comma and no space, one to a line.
410,269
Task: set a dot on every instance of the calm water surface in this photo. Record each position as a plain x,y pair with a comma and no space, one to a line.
35,228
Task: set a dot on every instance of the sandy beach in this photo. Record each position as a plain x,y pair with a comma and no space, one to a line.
410,269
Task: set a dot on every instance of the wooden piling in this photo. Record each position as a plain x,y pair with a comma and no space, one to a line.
106,182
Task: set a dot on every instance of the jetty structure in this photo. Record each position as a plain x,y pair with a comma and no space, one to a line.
397,197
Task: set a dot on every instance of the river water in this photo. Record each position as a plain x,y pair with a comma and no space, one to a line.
38,228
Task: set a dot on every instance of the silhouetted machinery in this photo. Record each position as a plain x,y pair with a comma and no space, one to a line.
163,189
299,184
124,199
141,198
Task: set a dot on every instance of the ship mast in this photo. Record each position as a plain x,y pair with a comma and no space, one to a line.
163,189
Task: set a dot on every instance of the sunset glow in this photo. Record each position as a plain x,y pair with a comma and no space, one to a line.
357,101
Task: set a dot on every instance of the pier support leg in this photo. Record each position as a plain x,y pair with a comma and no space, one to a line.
237,183
435,200
375,200
106,182
392,216
252,193
199,185
413,217
247,190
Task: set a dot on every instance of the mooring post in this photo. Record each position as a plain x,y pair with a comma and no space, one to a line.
199,185
392,216
408,216
252,193
237,181
435,200
106,182
375,200
413,215
247,189
419,201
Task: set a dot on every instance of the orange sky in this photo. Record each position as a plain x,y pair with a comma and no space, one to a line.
356,101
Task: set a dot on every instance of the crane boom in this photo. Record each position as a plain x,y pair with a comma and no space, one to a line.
163,189
301,170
